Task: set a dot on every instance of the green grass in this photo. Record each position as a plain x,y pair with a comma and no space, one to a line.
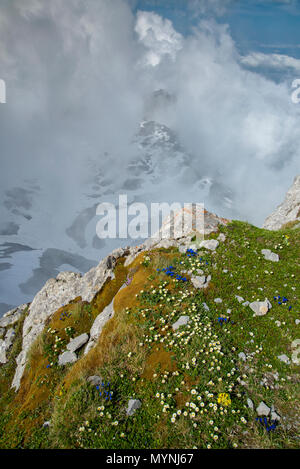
179,376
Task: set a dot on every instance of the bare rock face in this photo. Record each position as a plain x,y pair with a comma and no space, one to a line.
77,342
12,316
288,211
188,221
98,325
179,228
5,345
55,294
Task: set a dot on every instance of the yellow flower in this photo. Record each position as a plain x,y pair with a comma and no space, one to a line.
224,399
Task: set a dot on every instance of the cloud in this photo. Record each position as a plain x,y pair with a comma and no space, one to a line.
78,75
241,125
158,36
70,84
276,61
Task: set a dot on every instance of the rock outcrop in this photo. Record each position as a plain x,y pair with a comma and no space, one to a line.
57,293
288,211
12,316
5,345
69,285
260,308
98,325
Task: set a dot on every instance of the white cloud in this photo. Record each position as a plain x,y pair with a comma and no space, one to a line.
158,36
74,90
241,124
276,61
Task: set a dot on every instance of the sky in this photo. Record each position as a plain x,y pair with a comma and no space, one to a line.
79,73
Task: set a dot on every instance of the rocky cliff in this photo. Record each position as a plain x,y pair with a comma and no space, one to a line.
288,211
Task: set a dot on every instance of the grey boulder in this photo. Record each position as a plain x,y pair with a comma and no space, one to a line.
98,325
95,380
5,345
182,321
199,281
242,356
239,298
133,405
77,342
12,316
250,403
263,410
260,308
218,300
67,357
284,358
210,244
269,255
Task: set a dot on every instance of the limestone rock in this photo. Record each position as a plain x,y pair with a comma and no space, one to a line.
210,244
95,380
250,403
182,321
9,337
263,410
12,316
58,292
133,405
218,300
201,281
98,325
5,345
77,342
269,255
239,298
288,210
134,251
181,226
67,357
284,358
260,308
3,358
274,415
